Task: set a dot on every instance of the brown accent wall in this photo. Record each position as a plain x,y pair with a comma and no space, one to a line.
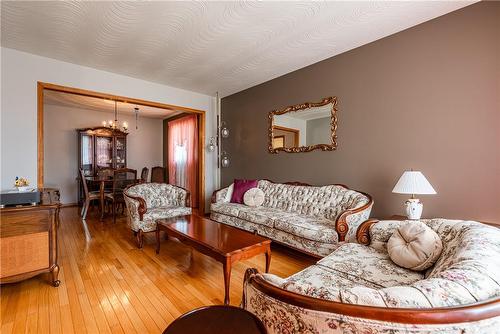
426,98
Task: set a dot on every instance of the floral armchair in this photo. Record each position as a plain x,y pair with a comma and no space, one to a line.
147,202
358,289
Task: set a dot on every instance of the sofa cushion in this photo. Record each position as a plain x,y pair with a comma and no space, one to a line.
371,265
307,227
258,215
320,282
414,246
148,222
230,209
166,212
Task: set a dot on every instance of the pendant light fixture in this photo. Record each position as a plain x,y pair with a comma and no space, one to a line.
136,110
116,117
114,124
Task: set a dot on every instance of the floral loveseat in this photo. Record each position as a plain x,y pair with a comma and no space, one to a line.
147,202
308,218
358,289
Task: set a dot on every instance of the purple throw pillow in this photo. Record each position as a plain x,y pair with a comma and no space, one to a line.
240,187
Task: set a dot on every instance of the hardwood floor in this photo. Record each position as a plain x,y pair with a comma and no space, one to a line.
108,285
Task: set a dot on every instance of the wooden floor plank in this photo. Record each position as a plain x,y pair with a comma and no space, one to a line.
108,285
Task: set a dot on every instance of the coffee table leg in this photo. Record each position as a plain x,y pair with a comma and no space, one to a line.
157,239
227,278
268,259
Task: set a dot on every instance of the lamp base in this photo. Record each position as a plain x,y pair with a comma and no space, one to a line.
414,208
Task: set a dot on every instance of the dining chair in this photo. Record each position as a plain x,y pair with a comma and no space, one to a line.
158,174
88,195
122,178
144,175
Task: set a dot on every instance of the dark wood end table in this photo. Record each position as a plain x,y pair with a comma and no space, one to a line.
221,242
217,319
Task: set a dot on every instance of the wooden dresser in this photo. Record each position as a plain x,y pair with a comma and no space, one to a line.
28,239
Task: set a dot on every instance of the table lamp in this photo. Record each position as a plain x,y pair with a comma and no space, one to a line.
413,182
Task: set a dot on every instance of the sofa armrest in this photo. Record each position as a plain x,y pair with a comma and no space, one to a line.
187,199
141,208
348,221
363,232
376,233
218,196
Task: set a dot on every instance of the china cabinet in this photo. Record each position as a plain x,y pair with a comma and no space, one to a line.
99,148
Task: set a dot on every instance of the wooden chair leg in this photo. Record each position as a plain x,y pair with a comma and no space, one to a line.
114,212
140,239
86,208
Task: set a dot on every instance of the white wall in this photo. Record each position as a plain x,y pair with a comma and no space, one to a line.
293,123
319,131
144,145
20,72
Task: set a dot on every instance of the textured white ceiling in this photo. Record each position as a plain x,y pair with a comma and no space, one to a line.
205,46
108,106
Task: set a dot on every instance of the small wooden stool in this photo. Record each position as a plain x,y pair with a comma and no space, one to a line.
217,319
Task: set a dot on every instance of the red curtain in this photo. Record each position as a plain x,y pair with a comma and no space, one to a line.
183,155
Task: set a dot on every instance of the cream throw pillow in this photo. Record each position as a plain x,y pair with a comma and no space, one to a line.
414,246
229,193
253,197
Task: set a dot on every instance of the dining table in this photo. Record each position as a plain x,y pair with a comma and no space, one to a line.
104,180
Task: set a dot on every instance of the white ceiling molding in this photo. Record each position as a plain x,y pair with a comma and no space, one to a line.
205,46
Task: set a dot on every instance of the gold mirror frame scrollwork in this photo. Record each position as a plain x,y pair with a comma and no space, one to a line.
302,106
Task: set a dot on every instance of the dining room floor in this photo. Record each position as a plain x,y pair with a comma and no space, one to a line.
108,285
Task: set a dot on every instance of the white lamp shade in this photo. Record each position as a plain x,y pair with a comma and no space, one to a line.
413,182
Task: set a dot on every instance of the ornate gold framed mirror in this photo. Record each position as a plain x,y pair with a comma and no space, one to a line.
304,127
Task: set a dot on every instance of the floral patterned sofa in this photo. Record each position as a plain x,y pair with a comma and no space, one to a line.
358,289
308,218
147,202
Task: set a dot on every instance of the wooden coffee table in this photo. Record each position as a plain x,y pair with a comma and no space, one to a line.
221,242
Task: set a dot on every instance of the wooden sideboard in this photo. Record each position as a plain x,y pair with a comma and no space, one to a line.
28,239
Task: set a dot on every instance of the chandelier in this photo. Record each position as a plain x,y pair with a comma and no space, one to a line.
114,124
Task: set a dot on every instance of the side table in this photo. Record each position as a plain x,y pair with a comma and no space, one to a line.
217,319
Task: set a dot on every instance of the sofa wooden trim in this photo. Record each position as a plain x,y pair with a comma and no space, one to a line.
433,316
341,225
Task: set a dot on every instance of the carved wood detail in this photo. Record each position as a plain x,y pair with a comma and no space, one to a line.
302,106
363,232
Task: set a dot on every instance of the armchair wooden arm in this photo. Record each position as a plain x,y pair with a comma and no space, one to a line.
142,209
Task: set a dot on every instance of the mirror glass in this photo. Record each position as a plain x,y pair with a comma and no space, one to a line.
304,127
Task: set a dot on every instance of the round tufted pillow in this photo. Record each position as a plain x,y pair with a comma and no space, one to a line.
253,197
415,246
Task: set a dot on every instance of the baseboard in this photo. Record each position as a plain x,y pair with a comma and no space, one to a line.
67,205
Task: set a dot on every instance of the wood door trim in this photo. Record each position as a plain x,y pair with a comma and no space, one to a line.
296,132
40,135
